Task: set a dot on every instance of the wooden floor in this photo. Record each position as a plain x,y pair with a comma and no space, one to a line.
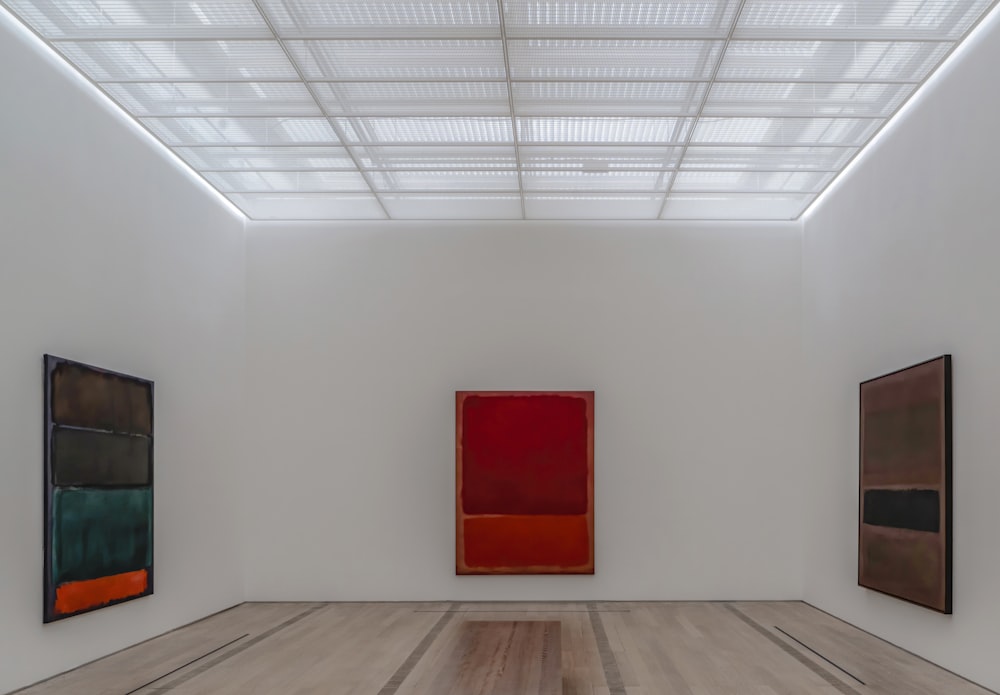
606,649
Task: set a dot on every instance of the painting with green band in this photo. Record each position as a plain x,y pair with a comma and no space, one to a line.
98,488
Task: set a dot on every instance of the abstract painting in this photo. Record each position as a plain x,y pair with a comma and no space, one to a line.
98,488
904,526
524,482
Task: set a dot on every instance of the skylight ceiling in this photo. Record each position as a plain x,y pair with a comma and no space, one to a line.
509,109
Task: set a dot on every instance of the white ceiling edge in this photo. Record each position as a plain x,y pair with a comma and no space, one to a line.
20,30
790,226
989,22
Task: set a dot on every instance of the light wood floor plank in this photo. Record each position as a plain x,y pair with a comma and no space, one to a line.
126,670
656,648
884,668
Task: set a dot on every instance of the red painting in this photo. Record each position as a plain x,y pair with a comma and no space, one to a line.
524,482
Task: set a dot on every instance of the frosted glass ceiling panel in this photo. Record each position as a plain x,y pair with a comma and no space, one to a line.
383,18
179,60
623,59
768,158
265,158
303,206
398,60
214,98
142,19
592,207
863,19
844,61
437,157
288,181
427,130
467,207
241,131
401,181
785,131
607,98
751,181
704,109
631,18
805,99
736,206
598,159
602,129
618,180
415,98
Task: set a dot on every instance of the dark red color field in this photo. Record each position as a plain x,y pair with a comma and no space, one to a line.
525,482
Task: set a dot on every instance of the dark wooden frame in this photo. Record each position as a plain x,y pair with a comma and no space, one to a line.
50,363
946,492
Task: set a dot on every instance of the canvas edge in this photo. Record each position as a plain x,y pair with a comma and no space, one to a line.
948,485
49,615
946,360
461,568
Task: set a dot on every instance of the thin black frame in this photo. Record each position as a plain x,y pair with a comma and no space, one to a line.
946,493
50,362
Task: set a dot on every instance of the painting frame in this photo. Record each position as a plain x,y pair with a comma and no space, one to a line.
49,594
910,516
462,564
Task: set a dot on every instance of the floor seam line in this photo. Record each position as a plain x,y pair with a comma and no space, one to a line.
181,680
794,653
411,661
612,674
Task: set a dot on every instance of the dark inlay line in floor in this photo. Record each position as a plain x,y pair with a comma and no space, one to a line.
829,661
612,674
240,649
396,680
840,685
184,666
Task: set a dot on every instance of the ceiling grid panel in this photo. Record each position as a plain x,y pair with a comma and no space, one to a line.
332,121
501,9
701,107
510,109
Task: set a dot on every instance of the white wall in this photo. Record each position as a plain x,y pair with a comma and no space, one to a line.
110,254
360,334
901,264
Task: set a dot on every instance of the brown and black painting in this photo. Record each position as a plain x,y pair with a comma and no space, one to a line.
904,530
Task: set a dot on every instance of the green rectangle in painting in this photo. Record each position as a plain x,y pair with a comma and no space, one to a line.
85,457
97,533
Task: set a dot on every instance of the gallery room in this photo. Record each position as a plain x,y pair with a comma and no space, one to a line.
440,347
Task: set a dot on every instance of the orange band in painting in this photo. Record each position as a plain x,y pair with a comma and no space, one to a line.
531,544
74,597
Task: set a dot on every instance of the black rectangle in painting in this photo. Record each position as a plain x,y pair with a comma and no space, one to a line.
87,458
917,510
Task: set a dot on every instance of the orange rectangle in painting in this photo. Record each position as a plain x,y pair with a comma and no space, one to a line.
74,597
537,544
